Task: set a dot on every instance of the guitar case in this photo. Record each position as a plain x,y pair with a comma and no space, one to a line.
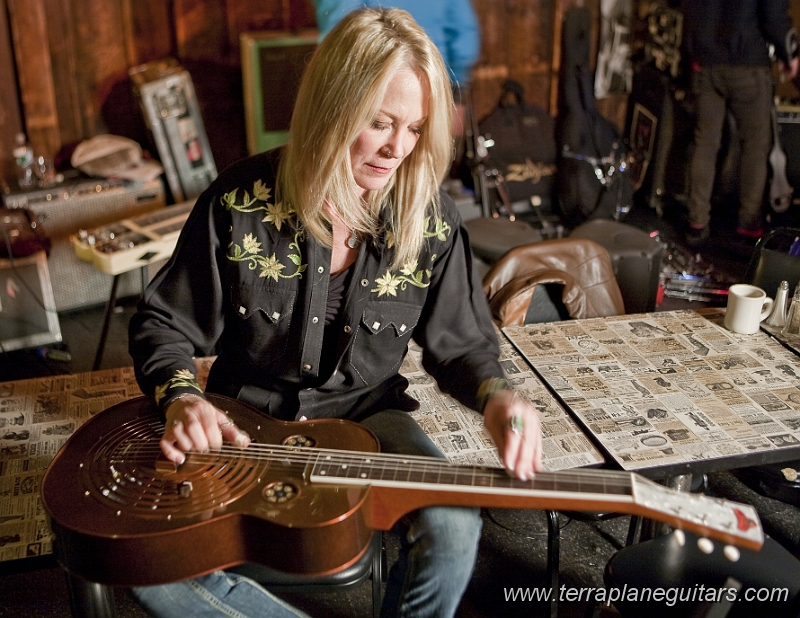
591,182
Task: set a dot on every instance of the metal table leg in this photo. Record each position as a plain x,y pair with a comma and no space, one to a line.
90,600
112,301
553,552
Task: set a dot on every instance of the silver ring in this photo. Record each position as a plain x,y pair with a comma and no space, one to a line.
516,424
226,424
176,423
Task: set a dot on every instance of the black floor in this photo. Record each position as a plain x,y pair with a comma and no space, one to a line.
513,548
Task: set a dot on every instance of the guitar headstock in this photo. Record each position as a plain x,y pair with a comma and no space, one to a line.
732,522
706,546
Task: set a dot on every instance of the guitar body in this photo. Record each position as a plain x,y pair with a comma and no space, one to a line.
780,191
121,519
302,498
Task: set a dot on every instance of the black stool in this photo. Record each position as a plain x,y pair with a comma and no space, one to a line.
664,564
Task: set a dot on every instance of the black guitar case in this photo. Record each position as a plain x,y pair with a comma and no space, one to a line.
591,180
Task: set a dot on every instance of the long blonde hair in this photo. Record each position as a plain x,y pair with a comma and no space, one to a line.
340,93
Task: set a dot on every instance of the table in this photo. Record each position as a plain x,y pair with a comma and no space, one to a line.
37,416
129,244
671,393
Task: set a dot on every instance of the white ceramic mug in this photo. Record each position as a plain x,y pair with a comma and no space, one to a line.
748,306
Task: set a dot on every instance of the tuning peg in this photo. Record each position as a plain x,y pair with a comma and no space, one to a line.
732,553
680,537
705,545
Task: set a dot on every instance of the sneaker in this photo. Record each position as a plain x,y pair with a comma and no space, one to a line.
695,237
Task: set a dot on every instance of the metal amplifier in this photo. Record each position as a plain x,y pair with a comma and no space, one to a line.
170,108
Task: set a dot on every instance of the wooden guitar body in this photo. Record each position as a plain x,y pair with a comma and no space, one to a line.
122,520
780,191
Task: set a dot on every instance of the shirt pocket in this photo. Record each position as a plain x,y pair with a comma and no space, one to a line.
381,340
263,318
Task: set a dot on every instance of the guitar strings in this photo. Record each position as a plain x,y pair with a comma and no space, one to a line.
148,450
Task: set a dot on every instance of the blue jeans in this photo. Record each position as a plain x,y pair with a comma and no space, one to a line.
437,554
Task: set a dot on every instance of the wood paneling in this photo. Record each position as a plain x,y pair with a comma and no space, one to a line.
520,40
516,43
10,119
71,57
28,20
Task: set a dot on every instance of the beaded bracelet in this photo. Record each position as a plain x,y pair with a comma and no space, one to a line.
490,387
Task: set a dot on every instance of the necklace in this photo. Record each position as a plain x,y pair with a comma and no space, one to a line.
353,241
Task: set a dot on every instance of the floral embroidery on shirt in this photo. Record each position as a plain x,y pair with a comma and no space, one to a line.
440,231
271,267
183,378
388,284
250,249
277,214
249,204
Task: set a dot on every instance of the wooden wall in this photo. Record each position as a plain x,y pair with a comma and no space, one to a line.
64,63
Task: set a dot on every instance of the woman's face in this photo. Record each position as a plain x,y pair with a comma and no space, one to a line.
381,147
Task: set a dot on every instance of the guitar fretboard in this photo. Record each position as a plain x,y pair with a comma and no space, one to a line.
391,471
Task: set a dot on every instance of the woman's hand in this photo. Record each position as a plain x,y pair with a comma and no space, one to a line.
194,424
515,429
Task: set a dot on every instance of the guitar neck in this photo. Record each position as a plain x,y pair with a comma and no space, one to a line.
400,484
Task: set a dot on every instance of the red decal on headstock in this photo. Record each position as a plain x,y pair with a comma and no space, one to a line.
743,522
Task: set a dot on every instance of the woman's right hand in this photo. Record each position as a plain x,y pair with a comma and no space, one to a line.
194,424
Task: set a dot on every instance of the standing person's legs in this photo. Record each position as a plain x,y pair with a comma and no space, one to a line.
750,98
709,119
439,544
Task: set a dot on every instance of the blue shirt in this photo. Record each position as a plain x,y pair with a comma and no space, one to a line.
451,25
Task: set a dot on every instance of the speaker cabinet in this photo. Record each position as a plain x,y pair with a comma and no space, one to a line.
789,134
272,65
169,104
636,259
83,204
28,315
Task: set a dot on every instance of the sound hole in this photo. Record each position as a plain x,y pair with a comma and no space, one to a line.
299,441
122,473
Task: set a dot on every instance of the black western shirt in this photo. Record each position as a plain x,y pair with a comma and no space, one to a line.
248,284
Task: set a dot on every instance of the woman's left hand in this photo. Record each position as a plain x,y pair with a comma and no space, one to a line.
515,428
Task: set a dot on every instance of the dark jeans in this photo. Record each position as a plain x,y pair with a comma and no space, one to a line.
747,92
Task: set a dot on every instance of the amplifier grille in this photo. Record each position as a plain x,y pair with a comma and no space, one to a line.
87,204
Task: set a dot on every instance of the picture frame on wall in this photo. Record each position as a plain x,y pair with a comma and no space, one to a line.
642,141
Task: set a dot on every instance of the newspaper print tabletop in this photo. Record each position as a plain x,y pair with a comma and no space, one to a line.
660,389
37,416
459,432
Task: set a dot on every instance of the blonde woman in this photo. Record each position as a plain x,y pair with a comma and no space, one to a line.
307,270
